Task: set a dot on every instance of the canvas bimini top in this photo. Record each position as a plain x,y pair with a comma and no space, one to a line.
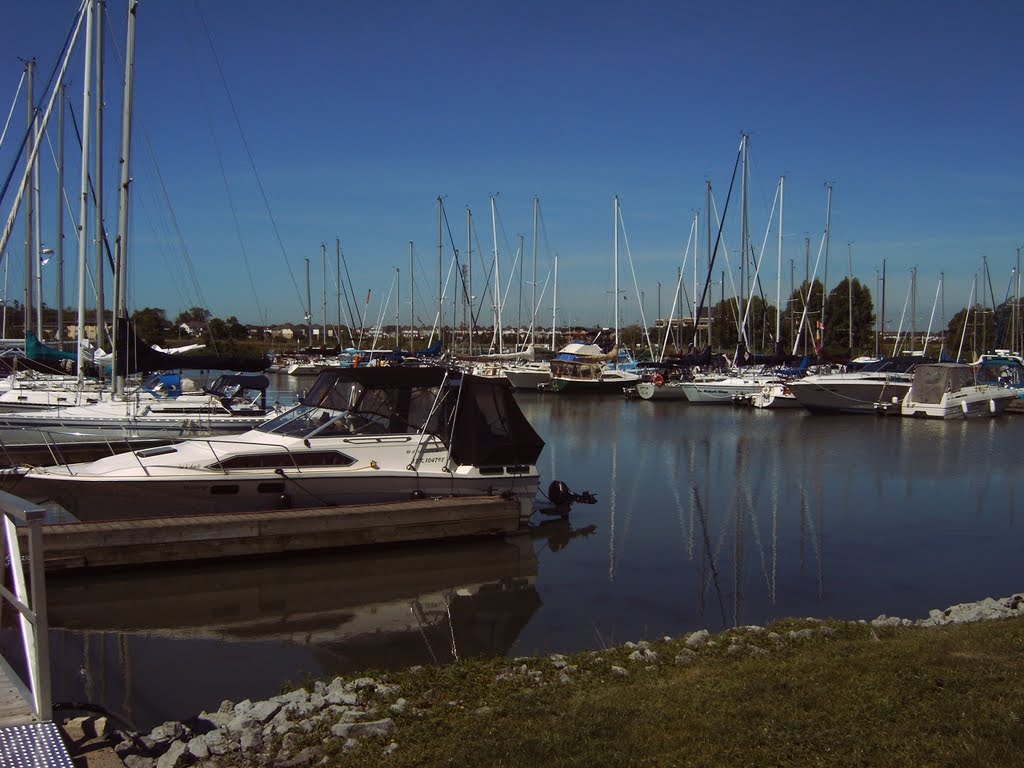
478,418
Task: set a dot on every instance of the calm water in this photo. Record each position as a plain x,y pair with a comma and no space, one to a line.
707,516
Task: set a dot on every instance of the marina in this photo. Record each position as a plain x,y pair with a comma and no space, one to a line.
706,517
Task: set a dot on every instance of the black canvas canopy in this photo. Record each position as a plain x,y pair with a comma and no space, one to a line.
479,417
135,356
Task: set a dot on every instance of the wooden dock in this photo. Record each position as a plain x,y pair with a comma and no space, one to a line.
206,537
15,699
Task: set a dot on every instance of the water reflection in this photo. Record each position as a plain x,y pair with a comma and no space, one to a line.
168,642
718,516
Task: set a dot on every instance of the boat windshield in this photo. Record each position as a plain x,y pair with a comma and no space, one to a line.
350,408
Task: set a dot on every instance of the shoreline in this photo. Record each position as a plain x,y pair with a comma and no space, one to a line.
363,710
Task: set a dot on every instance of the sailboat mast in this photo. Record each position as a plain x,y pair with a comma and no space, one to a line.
37,137
469,261
824,278
440,275
696,241
778,271
59,246
615,273
121,265
554,308
398,308
323,269
30,68
98,179
83,207
309,309
533,296
412,297
497,276
707,217
849,292
743,244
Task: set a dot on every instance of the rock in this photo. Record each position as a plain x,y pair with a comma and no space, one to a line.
217,742
362,683
685,656
138,761
264,711
251,740
564,678
389,749
801,634
399,706
646,655
226,706
341,697
362,730
302,758
167,732
175,757
211,720
698,638
197,748
620,671
482,711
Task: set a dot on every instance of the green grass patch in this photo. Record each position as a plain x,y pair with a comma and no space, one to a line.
850,695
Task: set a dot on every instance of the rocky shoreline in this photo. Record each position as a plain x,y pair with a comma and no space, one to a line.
280,732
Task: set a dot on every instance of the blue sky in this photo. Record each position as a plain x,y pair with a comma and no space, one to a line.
358,116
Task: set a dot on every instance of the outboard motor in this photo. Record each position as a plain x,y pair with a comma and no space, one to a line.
562,498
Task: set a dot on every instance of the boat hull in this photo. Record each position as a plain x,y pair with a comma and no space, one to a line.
848,397
648,390
96,498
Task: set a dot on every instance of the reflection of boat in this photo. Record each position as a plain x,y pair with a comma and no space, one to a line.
950,391
361,435
246,628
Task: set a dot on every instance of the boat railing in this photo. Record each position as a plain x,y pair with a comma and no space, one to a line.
31,607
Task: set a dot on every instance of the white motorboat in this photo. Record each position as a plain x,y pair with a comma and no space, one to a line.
726,389
856,391
233,403
951,391
361,435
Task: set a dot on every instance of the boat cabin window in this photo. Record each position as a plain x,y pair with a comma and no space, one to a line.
286,459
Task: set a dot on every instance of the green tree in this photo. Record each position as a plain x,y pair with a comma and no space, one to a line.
837,318
793,314
150,324
973,329
235,330
218,329
193,315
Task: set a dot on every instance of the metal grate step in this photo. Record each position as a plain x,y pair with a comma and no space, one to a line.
37,745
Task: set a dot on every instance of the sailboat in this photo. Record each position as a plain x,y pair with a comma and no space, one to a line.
602,373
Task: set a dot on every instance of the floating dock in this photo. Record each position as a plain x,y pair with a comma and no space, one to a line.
217,536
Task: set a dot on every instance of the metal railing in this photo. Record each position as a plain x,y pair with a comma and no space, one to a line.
32,611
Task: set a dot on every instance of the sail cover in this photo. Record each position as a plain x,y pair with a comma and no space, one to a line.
135,356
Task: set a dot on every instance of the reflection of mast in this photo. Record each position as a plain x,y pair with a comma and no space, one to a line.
612,488
707,556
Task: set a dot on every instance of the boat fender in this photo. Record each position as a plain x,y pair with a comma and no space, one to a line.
992,406
658,379
963,406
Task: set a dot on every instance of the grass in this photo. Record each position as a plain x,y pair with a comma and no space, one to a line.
856,696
